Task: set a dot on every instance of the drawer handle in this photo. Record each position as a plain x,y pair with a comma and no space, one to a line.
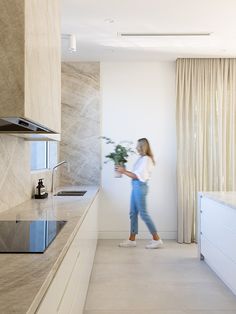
68,280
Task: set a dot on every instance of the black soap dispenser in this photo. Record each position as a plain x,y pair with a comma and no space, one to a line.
40,191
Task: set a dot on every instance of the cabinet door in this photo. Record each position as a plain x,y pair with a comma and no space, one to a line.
87,243
43,63
67,292
55,293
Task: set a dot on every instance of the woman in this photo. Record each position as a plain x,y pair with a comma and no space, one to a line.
140,175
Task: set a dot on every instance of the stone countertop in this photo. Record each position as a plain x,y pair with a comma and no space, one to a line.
225,198
24,278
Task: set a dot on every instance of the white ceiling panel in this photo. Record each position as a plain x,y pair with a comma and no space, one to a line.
98,25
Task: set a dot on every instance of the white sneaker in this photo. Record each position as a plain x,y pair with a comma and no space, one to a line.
154,244
128,243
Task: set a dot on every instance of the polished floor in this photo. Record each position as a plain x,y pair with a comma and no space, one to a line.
171,280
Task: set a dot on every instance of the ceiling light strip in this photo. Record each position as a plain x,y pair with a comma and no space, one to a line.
161,34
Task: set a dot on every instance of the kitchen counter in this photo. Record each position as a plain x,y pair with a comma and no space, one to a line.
225,198
24,278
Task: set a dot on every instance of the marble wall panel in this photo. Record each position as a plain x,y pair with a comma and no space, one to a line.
80,144
15,180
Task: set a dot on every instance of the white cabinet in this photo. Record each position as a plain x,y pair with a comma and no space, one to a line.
218,238
68,290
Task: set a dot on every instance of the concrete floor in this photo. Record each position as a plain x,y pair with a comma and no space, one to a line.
170,280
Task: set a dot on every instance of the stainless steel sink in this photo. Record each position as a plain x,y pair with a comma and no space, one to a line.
70,193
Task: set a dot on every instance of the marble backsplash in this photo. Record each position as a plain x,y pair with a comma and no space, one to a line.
80,143
17,182
15,179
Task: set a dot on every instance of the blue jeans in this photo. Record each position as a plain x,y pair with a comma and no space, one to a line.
138,206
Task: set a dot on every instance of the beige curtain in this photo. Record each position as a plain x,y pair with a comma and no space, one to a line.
206,134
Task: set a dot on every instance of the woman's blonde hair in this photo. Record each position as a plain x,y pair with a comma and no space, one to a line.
145,149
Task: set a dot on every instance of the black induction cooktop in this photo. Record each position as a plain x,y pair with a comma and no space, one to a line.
28,236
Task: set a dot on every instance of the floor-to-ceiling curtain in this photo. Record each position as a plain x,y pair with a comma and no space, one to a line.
206,134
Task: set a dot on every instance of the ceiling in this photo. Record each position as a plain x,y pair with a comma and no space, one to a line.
98,23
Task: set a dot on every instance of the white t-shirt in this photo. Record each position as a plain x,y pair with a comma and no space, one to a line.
143,168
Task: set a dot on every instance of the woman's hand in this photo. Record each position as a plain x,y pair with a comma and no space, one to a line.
120,169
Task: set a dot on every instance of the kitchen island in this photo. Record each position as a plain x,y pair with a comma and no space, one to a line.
26,278
217,234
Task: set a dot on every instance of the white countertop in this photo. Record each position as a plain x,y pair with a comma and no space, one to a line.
225,198
24,278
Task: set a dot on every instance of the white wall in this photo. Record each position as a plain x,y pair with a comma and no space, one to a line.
138,100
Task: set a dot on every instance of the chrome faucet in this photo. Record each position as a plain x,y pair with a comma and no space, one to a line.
53,171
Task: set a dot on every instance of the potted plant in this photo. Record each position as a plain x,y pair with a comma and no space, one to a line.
120,153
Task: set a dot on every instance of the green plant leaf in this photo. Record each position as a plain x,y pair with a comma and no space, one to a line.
120,153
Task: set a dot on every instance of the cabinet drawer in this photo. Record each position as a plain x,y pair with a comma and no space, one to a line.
218,225
219,213
222,238
224,267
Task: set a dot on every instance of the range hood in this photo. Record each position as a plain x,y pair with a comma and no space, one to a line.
22,125
30,76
